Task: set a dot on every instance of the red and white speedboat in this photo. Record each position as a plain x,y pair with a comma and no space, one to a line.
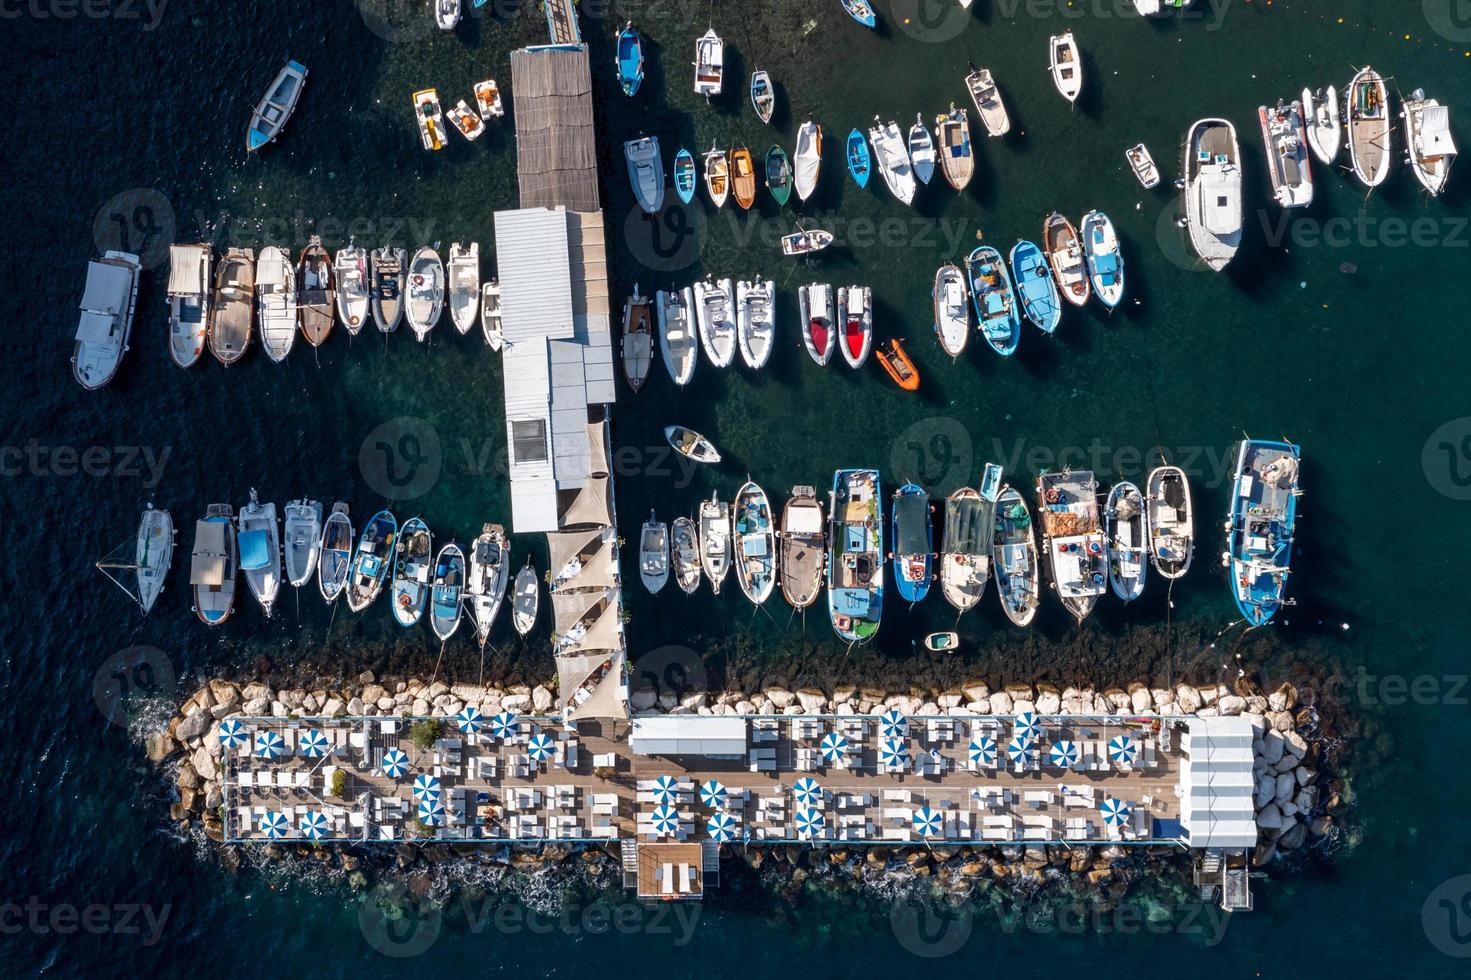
816,301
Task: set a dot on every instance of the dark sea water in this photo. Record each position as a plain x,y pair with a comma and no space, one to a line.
126,129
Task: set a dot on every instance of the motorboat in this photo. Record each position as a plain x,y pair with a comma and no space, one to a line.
109,303
188,299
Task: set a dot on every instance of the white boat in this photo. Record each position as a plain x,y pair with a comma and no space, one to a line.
653,554
490,315
677,343
276,107
1141,161
525,600
260,551
807,161
153,553
1324,123
709,64
715,314
426,292
430,118
684,554
1287,154
815,303
756,321
1105,260
1169,521
1213,207
109,302
714,540
1370,130
645,172
334,553
212,565
466,121
690,444
1014,558
490,570
1428,136
275,301
855,306
351,265
488,100
921,150
636,346
965,548
387,279
303,540
987,100
448,591
754,543
1066,65
1124,527
189,293
805,242
447,14
464,285
892,160
951,301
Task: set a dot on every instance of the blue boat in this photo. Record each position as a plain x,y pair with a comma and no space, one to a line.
855,560
372,560
685,175
858,162
1034,283
861,11
630,59
913,542
1263,512
994,300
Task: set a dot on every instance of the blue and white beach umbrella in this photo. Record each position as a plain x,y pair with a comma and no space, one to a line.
665,789
810,823
431,811
721,827
712,793
666,820
269,745
1064,753
275,824
314,824
540,747
1027,726
1115,812
927,822
395,763
313,743
426,787
1123,749
892,724
1019,748
504,726
807,791
893,753
983,751
232,733
470,720
834,747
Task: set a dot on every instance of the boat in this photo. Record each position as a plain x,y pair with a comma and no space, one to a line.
685,554
1064,253
861,11
1428,135
316,292
714,521
1105,261
109,302
153,554
1123,521
994,299
803,242
855,306
858,161
448,591
466,121
653,554
525,599
630,60
855,563
464,285
426,292
677,343
1066,65
490,315
921,150
272,112
717,176
815,303
914,542
756,321
260,551
952,134
1324,123
1014,558
637,347
743,177
709,64
1213,206
302,540
188,298
778,174
334,554
386,285
1141,161
684,175
801,548
807,162
897,365
353,291
430,118
1260,526
1287,154
488,100
447,14
490,569
763,95
942,642
754,543
986,97
1370,130
275,300
965,549
645,172
1035,286
212,565
234,306
892,160
1169,521
715,315
690,444
1073,538
413,554
372,561
952,312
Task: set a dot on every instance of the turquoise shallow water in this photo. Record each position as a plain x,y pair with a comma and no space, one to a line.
144,126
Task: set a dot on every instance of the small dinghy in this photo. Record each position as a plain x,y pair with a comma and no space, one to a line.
690,444
897,365
275,298
351,267
426,292
754,543
1428,135
316,293
994,299
303,540
952,133
1035,286
1287,153
1105,261
372,561
965,549
653,554
430,118
466,121
921,150
1066,65
684,175
413,563
1324,124
491,326
271,114
987,99
913,542
637,346
1142,163
805,242
715,313
855,306
756,321
488,100
743,178
645,172
464,285
891,157
260,551
389,277
807,162
525,599
1065,255
153,554
717,176
630,60
709,64
1169,521
714,540
234,306
188,299
858,160
1123,519
802,548
778,174
334,553
952,312
1014,558
685,555
448,591
677,343
1370,130
447,14
815,302
212,565
861,11
763,96
490,569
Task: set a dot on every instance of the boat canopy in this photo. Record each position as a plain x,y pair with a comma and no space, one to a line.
108,288
254,553
966,530
911,523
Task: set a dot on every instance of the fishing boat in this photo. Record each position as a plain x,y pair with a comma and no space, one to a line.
1066,65
1428,135
1370,130
448,591
754,543
334,554
756,321
1105,261
994,299
801,548
302,540
466,121
858,161
1123,521
426,292
1141,161
188,300
717,176
897,365
921,150
491,325
645,172
804,242
1014,558
1287,154
807,162
715,315
212,565
709,64
447,14
778,174
260,551
685,554
743,177
952,312
714,520
637,346
1073,538
413,555
353,291
525,599
316,292
684,175
490,569
488,100
914,542
1065,255
1213,205
109,302
630,60
855,563
690,444
861,11
855,306
945,642
272,112
430,118
153,554
763,95
1260,526
1169,521
1324,124
892,160
388,280
1035,286
234,306
815,303
464,285
653,554
677,343
275,300
987,99
965,549
952,133
372,561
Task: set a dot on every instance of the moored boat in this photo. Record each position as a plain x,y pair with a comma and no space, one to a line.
754,543
1324,123
743,177
717,176
485,588
1014,558
430,118
921,150
1073,538
188,299
855,564
109,303
653,554
234,306
630,60
1287,154
763,95
756,321
685,177
994,299
1035,286
260,551
372,561
466,121
334,553
690,444
491,325
353,291
892,160
275,298
645,172
677,342
1432,149
1141,161
488,100
801,548
1260,526
525,599
316,292
778,174
448,591
952,309
389,279
464,285
637,345
413,564
815,304
1213,204
153,554
715,314
709,64
858,159
807,161
1066,65
1123,522
987,99
855,307
913,542
897,365
212,565
965,549
1169,521
685,554
276,107
1370,129
301,544
1065,255
714,520
425,293
1105,260
952,132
